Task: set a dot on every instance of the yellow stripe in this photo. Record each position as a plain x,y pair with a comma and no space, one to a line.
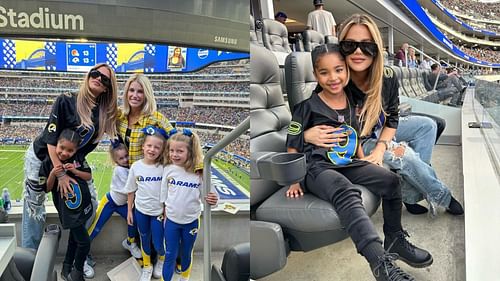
102,203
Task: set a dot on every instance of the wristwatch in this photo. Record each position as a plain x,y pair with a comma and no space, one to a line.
385,142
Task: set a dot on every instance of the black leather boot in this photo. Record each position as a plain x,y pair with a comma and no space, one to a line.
387,270
76,275
395,242
66,269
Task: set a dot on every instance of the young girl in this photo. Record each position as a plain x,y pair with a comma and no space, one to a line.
181,193
75,209
332,173
144,184
116,200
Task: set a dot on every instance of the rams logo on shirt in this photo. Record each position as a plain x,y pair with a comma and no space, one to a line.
52,128
172,182
146,179
193,231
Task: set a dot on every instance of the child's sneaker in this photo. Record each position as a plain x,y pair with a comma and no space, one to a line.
146,273
88,271
132,248
158,270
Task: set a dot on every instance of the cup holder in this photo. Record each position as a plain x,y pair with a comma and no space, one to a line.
282,167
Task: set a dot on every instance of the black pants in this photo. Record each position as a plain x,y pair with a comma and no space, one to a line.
78,247
337,186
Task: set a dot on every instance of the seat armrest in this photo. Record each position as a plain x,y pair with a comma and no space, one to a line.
281,167
43,267
268,252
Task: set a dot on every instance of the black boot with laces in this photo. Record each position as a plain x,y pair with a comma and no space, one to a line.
387,270
395,242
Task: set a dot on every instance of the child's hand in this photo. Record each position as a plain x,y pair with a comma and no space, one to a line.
69,166
130,218
211,198
294,191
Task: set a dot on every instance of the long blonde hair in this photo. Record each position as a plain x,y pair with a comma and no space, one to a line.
149,106
108,111
372,108
195,152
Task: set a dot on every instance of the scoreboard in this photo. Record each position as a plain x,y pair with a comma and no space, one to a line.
123,57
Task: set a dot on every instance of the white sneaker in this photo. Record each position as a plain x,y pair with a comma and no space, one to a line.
146,273
158,271
88,271
132,248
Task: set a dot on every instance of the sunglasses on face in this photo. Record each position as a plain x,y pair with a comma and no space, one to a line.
94,73
349,47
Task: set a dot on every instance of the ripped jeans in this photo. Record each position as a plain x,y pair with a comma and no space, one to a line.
419,180
34,215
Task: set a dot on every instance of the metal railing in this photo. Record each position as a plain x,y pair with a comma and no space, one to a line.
207,213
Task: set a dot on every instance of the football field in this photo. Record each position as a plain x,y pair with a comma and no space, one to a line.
12,173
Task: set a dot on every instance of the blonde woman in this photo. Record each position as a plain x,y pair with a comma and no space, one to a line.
139,110
375,93
91,112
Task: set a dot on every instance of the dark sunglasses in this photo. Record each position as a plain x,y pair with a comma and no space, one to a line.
349,47
94,73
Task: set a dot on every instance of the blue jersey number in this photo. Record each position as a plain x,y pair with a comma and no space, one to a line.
342,153
74,200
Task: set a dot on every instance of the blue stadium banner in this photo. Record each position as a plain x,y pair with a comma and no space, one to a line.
414,7
123,57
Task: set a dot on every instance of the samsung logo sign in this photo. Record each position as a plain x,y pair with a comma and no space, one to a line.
43,19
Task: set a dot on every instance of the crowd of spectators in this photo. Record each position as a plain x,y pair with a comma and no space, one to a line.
483,54
474,8
229,116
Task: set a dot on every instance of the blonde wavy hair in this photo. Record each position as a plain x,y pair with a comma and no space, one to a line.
195,152
373,105
149,106
108,110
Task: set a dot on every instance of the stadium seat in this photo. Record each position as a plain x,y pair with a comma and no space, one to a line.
35,265
331,39
235,264
275,36
311,39
405,79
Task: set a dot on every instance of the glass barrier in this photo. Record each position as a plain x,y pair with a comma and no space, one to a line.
486,106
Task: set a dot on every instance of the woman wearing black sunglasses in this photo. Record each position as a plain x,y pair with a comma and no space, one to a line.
361,43
91,112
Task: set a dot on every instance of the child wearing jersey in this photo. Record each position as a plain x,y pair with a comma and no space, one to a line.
116,200
333,173
75,209
181,192
143,188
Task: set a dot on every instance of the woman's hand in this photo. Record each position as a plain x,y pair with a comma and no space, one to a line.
324,136
211,198
376,156
64,185
294,191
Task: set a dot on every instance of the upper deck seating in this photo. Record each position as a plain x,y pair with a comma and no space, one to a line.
311,39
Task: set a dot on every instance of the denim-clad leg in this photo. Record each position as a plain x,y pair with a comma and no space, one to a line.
34,215
420,134
421,179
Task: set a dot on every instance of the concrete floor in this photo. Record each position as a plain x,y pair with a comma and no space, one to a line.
107,263
443,236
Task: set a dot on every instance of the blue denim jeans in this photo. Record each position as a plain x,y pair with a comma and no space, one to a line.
34,215
419,179
419,133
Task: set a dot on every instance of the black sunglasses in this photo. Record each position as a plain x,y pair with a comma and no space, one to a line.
368,48
94,73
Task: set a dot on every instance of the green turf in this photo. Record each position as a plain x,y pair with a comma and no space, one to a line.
12,174
236,174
